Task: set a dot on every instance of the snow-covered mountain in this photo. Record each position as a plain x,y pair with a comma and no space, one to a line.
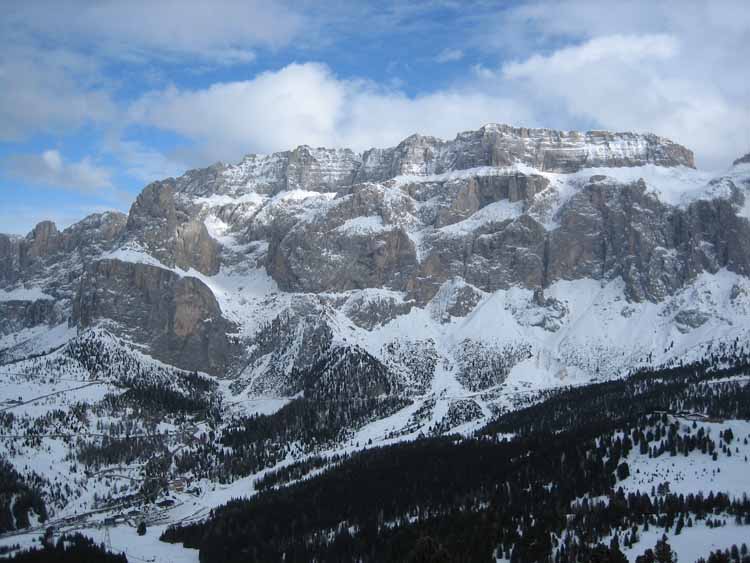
505,256
427,286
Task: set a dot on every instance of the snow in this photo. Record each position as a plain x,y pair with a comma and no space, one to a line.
496,212
133,253
693,543
23,294
696,472
123,539
218,230
678,185
406,179
301,195
219,200
35,339
693,474
363,226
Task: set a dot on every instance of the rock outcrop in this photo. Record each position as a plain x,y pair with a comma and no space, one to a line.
336,170
20,314
53,259
177,318
502,145
168,233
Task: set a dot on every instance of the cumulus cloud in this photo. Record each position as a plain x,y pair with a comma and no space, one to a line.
641,65
50,169
628,82
308,104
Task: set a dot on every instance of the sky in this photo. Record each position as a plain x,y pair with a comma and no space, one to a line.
100,97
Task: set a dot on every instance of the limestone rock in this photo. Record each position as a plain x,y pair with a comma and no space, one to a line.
455,298
18,315
688,319
166,231
195,248
283,348
502,145
176,317
371,308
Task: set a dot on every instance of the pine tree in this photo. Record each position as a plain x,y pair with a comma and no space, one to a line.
663,551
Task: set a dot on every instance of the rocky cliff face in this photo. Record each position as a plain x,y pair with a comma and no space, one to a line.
45,248
177,316
168,232
609,230
19,314
501,145
336,170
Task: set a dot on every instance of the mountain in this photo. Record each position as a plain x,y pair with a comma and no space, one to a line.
317,301
539,247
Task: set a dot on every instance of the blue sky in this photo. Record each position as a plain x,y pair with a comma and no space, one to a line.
98,98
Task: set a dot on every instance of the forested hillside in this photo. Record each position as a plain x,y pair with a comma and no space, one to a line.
558,481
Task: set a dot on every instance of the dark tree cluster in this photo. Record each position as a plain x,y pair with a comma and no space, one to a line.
74,548
296,471
154,399
344,390
733,555
127,450
249,444
525,499
17,500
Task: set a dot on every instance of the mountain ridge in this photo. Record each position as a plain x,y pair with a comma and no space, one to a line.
435,228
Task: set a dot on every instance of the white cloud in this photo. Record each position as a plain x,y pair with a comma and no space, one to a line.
640,65
618,49
449,55
51,170
221,31
262,114
628,82
141,162
50,91
482,72
621,82
308,104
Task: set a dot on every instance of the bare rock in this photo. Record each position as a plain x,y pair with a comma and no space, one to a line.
176,317
195,248
156,223
455,298
18,315
371,308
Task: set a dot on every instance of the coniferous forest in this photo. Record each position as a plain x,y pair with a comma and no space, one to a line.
537,484
74,548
